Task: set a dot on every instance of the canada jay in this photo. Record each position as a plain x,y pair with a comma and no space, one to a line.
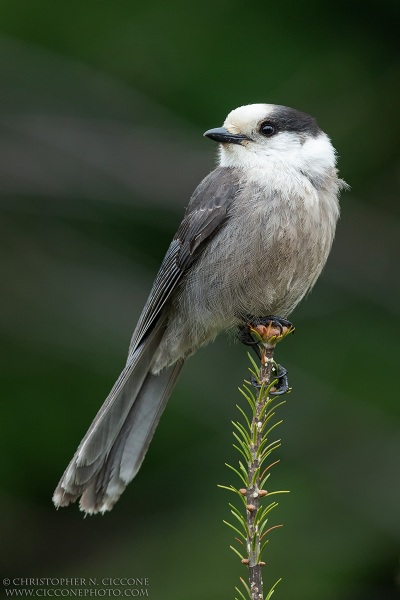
254,239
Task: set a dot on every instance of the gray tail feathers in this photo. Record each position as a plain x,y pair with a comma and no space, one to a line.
114,447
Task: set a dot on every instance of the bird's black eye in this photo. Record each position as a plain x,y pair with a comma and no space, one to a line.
267,129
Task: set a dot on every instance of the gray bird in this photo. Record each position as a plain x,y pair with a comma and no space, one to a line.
254,239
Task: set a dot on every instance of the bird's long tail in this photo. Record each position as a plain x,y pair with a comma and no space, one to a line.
114,447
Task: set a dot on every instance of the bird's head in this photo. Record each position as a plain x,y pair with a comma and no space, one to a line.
273,136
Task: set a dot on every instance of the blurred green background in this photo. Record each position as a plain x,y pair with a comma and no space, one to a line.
102,110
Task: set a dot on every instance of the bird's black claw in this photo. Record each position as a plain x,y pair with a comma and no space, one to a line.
246,338
281,387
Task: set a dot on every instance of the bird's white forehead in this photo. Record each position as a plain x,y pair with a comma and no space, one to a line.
250,114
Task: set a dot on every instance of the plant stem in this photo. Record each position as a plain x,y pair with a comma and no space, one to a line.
253,491
252,442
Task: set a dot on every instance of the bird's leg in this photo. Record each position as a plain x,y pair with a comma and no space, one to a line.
255,331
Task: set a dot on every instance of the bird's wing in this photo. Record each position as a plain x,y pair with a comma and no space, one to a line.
206,213
114,446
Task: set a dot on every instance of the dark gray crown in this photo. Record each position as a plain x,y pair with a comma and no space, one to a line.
290,119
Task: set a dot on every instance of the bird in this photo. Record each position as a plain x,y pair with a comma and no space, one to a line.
254,239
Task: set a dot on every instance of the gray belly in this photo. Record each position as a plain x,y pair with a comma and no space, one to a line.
262,263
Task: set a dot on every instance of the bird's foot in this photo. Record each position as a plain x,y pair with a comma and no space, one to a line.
278,373
262,334
256,330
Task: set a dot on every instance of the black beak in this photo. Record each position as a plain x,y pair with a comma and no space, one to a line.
223,136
